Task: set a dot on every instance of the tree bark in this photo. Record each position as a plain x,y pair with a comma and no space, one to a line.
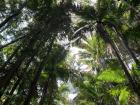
13,69
21,37
44,92
12,16
122,39
52,89
106,38
124,43
5,80
19,80
37,75
9,59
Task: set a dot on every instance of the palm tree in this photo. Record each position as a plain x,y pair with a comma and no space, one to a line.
48,21
101,29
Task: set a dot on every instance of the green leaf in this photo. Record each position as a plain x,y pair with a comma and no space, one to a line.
114,92
111,76
123,96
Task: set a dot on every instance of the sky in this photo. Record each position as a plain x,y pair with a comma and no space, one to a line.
94,1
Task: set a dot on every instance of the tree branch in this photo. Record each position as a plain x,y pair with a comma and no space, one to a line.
21,37
12,16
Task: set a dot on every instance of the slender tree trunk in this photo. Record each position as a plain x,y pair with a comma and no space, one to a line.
124,43
21,37
44,92
13,69
8,76
37,75
34,82
119,52
122,39
106,38
19,80
6,102
9,59
10,73
52,89
9,18
12,16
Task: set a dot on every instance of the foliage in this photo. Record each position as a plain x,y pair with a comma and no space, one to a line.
111,76
39,67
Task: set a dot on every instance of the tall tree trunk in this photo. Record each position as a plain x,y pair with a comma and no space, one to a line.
6,102
45,89
124,43
10,58
17,39
19,80
34,82
10,73
52,89
12,16
6,79
37,75
106,38
122,39
27,65
13,69
119,52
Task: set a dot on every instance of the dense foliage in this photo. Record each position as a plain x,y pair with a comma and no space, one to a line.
38,63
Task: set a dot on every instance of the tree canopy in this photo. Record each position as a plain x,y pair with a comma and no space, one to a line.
51,49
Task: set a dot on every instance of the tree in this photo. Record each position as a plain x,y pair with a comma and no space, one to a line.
33,58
